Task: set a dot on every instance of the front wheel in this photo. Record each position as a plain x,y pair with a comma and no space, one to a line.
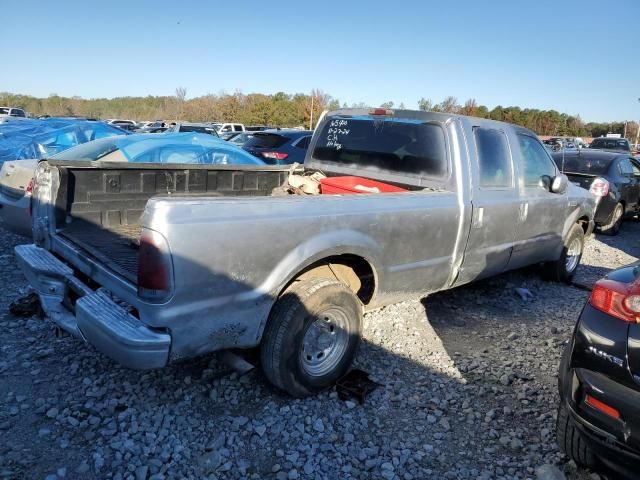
563,269
312,336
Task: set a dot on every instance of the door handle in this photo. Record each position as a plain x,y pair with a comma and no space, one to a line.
524,211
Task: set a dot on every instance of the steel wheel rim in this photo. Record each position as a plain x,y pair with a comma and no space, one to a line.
325,342
573,254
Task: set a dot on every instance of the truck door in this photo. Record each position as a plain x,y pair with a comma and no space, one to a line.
495,204
542,212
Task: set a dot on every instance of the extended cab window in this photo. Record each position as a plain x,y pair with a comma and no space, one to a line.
386,146
535,161
493,157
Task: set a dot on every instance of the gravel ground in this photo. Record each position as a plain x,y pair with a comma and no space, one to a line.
469,392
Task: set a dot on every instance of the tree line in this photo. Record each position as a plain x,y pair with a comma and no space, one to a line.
292,110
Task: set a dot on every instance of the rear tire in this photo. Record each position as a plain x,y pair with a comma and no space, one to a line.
571,442
311,337
613,228
563,269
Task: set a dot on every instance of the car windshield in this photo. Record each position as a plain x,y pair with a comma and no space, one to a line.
398,146
590,166
89,151
198,129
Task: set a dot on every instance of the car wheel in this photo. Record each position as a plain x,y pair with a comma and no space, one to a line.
613,227
571,442
563,269
311,336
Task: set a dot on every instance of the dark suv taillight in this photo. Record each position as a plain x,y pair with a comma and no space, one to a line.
620,300
155,269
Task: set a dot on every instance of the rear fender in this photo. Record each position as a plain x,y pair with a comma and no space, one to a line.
315,249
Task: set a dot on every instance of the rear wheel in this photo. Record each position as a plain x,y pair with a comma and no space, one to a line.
613,227
571,442
311,336
563,269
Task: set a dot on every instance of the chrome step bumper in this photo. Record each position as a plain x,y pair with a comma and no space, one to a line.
97,319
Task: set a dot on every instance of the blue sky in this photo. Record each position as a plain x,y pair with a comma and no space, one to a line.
572,56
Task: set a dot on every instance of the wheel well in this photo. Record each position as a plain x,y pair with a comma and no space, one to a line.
352,270
584,223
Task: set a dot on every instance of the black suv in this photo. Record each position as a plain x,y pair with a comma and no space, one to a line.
605,143
599,379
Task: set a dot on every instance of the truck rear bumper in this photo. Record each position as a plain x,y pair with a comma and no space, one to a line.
95,317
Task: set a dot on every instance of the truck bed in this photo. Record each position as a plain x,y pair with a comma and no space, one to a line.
116,245
99,210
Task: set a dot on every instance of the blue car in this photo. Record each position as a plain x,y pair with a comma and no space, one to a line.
279,147
185,147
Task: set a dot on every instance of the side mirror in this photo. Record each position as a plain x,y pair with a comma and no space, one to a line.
560,183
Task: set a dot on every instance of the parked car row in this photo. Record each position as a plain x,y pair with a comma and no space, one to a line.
16,177
613,177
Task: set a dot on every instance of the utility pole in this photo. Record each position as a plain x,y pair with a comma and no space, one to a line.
311,119
638,131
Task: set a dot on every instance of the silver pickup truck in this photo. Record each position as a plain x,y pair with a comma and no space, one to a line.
154,263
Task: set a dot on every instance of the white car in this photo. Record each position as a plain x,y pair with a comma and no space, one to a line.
228,127
124,124
8,114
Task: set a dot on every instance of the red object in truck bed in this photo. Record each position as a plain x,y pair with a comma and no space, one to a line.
356,185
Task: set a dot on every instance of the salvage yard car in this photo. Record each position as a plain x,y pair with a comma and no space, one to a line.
156,263
16,178
613,177
599,380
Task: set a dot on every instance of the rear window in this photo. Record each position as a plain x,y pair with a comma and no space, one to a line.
598,166
611,144
406,147
266,140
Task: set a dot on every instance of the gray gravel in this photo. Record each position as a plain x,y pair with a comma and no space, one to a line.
469,392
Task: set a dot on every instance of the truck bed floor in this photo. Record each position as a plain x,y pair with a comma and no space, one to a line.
117,245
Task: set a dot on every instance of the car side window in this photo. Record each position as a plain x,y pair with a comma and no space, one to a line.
494,158
636,169
535,161
625,167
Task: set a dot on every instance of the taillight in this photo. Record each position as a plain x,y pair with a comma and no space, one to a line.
275,155
600,187
620,300
29,189
155,273
29,192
